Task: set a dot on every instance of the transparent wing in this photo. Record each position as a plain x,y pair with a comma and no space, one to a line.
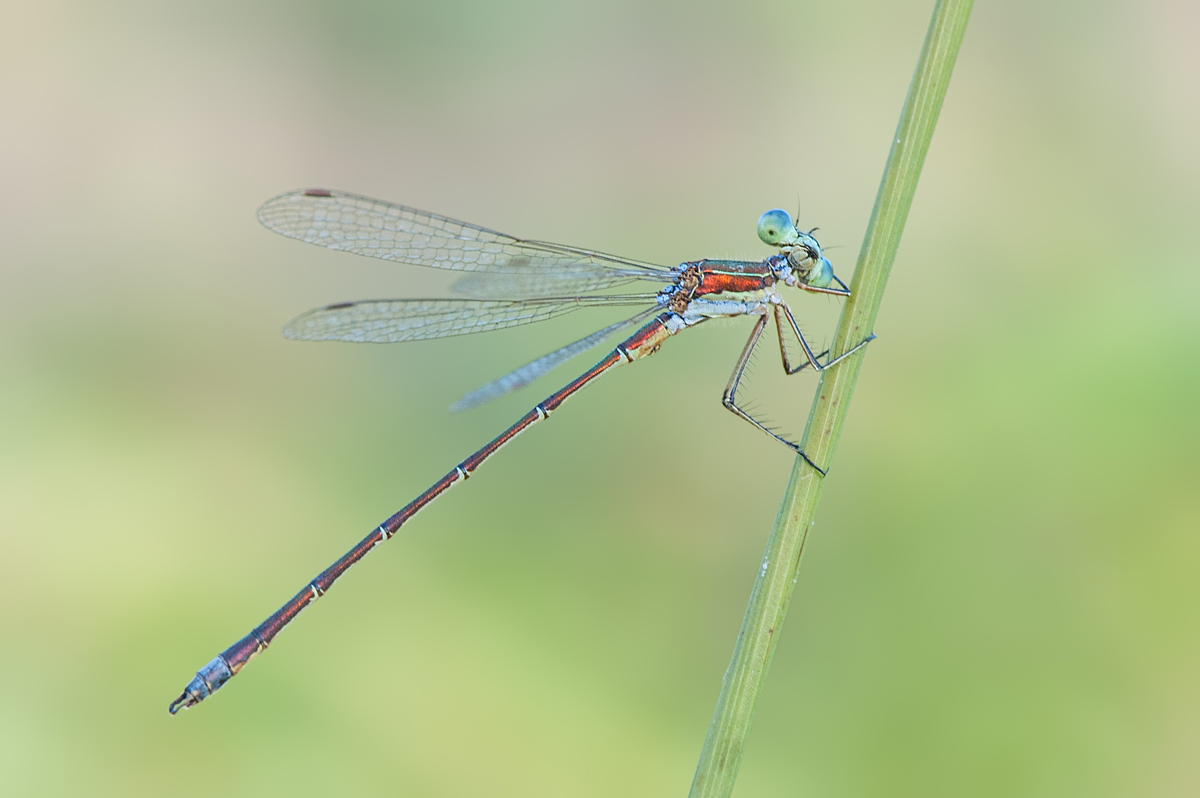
519,378
493,285
378,229
391,320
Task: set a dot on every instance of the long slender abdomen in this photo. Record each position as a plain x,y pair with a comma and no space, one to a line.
225,666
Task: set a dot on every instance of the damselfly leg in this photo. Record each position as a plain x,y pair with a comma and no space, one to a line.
810,358
729,397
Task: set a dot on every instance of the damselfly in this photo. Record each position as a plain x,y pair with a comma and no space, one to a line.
514,282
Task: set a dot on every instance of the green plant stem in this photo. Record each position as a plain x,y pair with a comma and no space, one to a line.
730,726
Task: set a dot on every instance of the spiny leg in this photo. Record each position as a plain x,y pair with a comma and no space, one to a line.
813,360
783,352
729,398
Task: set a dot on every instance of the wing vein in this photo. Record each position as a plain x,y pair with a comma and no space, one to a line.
348,222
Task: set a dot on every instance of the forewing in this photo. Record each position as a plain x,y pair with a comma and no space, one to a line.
348,222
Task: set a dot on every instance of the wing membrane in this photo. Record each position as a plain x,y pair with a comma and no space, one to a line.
520,377
495,285
378,229
392,320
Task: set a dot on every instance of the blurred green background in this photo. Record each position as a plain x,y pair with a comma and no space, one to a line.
1000,596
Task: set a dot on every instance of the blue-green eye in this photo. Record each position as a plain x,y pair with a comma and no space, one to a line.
776,228
821,275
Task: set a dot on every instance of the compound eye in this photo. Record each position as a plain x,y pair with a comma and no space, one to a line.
776,228
821,275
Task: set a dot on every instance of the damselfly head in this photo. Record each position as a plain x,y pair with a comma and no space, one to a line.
805,262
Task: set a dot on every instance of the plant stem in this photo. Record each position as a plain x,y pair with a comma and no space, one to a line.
730,726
